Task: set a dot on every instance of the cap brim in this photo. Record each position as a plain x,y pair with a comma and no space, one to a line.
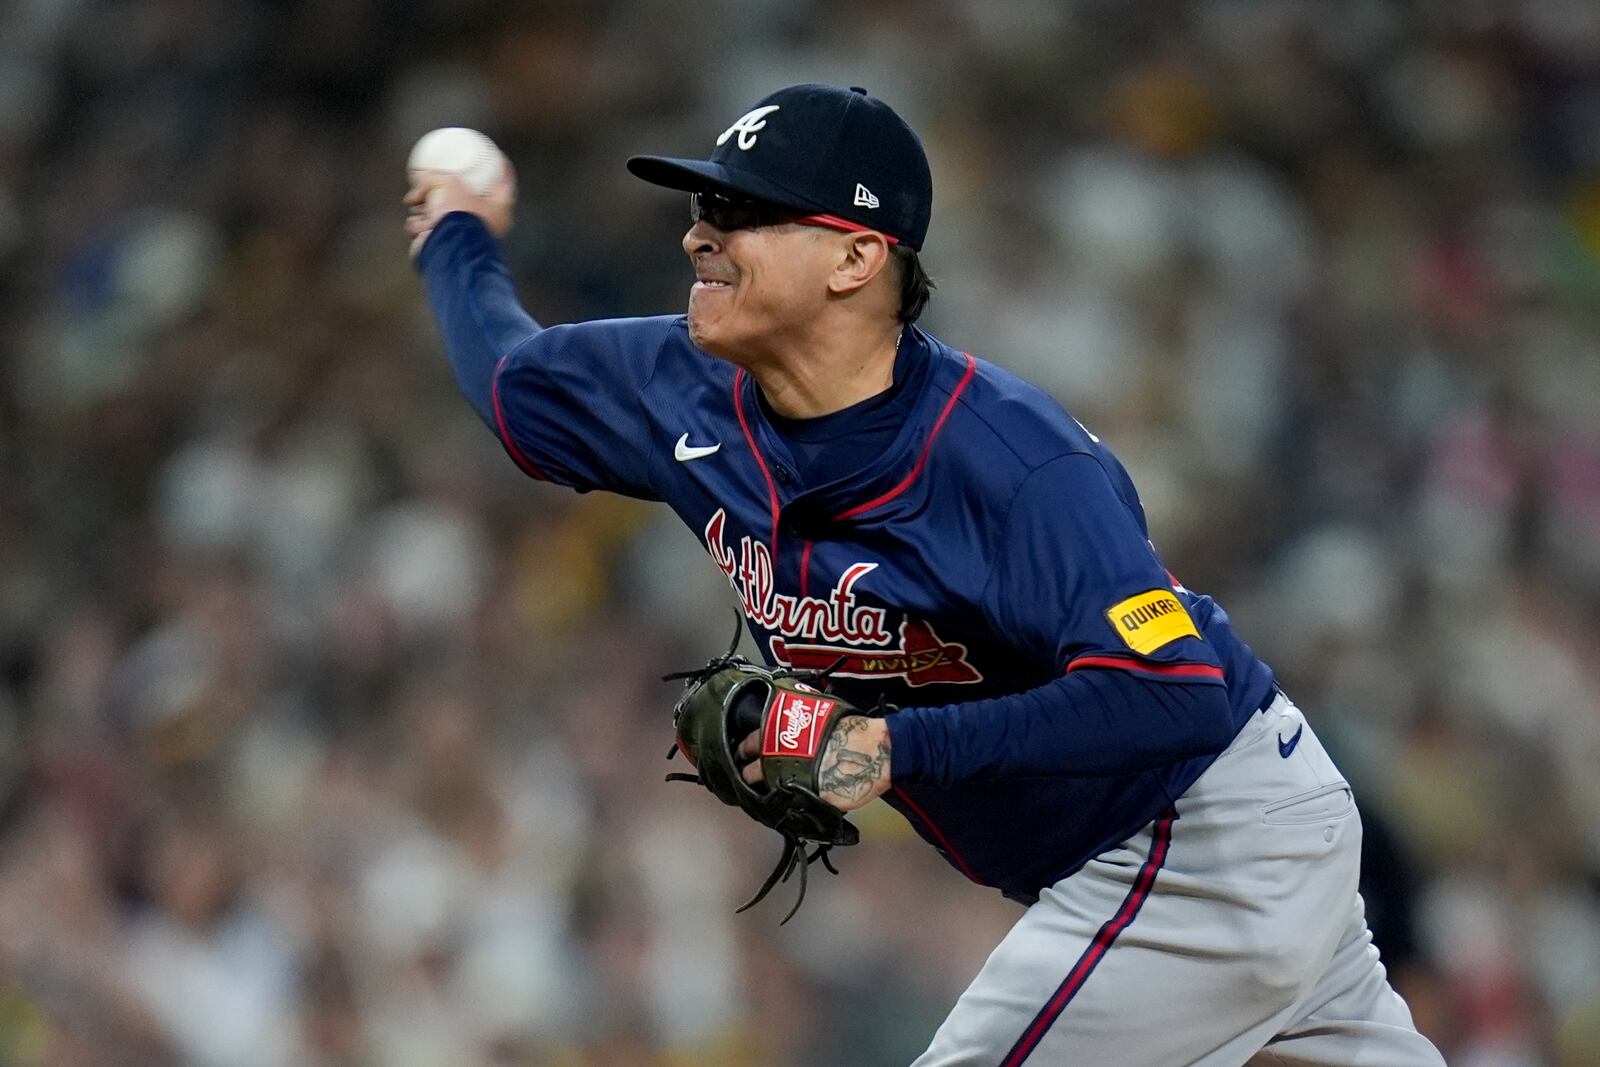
695,175
689,175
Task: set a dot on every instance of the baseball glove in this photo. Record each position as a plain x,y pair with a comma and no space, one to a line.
722,703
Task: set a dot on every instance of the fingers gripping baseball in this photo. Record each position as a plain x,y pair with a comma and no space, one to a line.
854,768
435,193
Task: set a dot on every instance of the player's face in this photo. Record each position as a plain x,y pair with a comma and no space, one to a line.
758,275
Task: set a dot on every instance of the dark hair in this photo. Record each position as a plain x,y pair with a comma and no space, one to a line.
915,285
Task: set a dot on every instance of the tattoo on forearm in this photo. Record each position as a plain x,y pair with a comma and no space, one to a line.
848,771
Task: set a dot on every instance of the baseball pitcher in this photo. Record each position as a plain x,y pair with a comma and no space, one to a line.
959,606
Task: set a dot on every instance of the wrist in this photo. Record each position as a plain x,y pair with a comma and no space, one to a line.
854,768
462,224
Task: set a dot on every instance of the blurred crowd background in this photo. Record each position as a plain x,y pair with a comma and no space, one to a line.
328,740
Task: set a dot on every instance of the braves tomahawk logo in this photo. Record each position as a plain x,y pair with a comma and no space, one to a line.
813,633
921,657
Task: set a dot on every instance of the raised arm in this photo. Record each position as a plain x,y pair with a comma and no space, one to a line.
564,401
454,242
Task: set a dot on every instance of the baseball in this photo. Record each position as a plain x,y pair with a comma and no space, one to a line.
468,154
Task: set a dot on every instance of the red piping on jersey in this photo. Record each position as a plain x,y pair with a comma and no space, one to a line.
1160,841
834,222
972,366
500,421
1172,670
772,490
805,567
944,842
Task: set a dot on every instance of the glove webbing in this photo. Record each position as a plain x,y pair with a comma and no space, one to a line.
794,846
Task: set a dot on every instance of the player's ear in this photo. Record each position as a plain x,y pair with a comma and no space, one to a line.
862,257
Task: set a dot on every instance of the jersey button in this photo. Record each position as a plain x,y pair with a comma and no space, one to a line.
783,476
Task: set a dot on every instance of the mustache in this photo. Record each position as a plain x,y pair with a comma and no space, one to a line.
714,272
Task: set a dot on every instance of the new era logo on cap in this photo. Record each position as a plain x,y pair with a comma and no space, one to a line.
822,150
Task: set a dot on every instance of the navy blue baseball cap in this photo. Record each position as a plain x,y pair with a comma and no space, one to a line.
841,155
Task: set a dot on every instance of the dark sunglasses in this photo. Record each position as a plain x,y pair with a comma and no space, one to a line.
727,213
731,211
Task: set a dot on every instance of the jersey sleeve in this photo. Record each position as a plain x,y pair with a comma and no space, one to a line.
1077,583
565,401
568,404
474,304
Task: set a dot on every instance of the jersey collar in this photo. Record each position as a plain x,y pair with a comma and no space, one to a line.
936,378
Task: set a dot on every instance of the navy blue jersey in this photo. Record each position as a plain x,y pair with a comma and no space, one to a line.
995,548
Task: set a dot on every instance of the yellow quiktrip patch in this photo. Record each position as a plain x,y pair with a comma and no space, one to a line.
1150,620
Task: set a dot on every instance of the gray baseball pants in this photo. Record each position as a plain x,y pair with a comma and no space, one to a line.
1226,933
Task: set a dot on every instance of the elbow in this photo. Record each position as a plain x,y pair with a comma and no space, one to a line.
1178,720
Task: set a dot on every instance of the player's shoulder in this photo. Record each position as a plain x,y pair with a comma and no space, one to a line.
653,332
657,346
1012,416
671,334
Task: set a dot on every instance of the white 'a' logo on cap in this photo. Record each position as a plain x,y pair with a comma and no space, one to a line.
750,123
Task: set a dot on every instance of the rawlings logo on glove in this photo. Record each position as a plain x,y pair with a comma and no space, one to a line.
798,720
